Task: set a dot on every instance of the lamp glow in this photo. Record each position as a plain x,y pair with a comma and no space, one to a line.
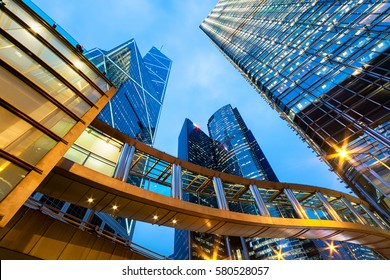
343,153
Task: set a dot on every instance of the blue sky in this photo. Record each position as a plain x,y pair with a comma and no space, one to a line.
201,82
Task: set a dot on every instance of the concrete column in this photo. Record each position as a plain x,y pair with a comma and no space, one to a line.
177,182
328,207
259,201
295,204
354,211
372,216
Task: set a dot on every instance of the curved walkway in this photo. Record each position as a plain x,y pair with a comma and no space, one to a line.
85,187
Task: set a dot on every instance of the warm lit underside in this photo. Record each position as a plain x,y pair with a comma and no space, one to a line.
75,183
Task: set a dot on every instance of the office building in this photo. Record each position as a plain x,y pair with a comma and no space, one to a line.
52,143
50,93
231,148
323,65
227,127
67,85
135,110
197,147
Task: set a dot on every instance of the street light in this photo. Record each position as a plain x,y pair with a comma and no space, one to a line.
332,249
278,253
344,153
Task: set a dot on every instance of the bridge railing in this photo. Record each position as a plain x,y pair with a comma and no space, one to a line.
83,225
148,168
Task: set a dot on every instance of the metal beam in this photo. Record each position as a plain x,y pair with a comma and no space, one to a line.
220,193
241,192
128,161
118,173
259,201
335,216
295,204
177,182
372,216
354,211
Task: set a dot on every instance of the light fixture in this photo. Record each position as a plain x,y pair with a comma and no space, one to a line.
155,217
343,153
115,207
78,64
174,221
331,247
90,200
36,28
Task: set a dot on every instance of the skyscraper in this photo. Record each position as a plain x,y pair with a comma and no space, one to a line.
197,147
323,65
72,80
142,81
231,148
49,94
227,127
134,111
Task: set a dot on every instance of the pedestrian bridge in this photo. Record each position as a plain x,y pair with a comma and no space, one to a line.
151,186
40,231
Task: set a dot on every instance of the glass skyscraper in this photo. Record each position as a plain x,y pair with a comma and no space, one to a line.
324,66
142,81
49,94
231,148
240,147
134,111
228,128
197,147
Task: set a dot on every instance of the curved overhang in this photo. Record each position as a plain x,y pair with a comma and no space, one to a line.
76,184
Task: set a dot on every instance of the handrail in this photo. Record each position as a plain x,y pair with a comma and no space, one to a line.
75,221
115,197
98,124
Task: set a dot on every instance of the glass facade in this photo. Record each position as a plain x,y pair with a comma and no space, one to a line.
323,65
228,128
46,88
233,149
197,147
134,111
53,86
142,83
